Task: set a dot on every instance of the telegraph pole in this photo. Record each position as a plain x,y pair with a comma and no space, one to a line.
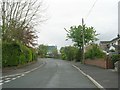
119,27
118,44
83,38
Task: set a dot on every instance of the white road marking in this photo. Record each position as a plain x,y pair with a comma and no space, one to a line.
1,80
14,78
12,75
89,77
7,81
7,78
23,75
1,83
20,75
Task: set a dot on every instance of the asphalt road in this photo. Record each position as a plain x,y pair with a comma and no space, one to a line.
54,74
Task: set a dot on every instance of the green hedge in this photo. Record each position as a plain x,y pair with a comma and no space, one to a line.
115,58
14,54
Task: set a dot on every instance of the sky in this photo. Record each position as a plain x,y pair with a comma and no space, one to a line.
66,13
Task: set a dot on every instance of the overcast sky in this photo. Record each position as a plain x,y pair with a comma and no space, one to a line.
65,13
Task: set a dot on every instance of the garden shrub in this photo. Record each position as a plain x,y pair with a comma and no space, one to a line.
94,52
115,58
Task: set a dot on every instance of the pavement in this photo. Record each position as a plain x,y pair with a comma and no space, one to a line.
108,78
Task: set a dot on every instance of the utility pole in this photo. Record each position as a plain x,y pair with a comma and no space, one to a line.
119,27
83,38
118,44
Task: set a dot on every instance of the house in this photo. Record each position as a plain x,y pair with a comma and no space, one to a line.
112,45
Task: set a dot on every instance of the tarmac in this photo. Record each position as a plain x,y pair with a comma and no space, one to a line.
107,78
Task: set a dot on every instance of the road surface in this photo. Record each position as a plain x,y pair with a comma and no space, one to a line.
54,74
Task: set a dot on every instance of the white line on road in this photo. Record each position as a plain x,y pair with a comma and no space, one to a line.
14,78
7,78
89,77
1,83
7,81
18,76
1,80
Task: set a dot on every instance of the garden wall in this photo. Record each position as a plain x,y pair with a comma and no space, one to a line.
103,63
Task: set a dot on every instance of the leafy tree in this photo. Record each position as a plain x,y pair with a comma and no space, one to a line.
42,50
68,53
55,53
76,34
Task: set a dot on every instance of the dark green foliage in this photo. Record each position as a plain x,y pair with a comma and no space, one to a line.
94,52
69,53
115,58
34,54
10,54
0,53
78,55
42,50
14,54
27,52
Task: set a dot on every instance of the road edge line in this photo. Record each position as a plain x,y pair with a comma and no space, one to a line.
90,78
24,72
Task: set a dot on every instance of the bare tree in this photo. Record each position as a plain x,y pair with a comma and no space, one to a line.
19,19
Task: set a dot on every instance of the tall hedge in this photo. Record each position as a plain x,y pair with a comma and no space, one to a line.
14,54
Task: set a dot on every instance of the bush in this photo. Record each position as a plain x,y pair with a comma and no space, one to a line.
94,52
14,54
27,52
69,53
10,54
115,58
34,55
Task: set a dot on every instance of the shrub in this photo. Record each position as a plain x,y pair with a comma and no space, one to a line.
115,58
94,52
0,54
27,52
14,54
34,55
69,53
10,54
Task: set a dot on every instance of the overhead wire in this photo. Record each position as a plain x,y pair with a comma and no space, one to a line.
91,9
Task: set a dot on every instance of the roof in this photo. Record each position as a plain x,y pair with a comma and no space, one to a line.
104,42
115,39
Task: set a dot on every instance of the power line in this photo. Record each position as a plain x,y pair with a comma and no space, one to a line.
91,8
